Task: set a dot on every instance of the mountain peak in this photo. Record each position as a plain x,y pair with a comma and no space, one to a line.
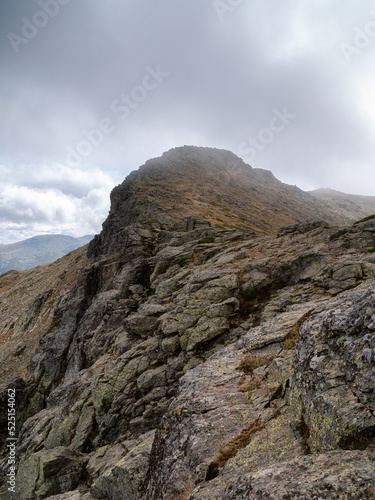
214,185
202,157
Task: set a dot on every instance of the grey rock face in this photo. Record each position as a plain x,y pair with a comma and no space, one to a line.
50,472
160,343
125,479
194,362
332,386
278,440
197,342
331,475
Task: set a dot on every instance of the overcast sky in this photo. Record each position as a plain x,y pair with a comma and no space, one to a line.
91,89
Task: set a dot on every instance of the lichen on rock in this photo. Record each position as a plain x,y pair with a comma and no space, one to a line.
191,361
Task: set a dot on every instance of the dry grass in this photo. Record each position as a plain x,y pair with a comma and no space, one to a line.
291,339
235,199
250,387
249,363
20,335
230,449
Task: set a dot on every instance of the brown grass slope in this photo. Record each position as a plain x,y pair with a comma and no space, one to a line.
28,300
352,206
218,186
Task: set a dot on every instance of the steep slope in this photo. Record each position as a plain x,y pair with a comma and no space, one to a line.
217,186
195,362
37,251
353,206
29,304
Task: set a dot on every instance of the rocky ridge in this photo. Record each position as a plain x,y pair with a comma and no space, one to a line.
217,186
196,362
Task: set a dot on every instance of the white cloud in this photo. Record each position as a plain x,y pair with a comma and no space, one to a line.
225,77
54,199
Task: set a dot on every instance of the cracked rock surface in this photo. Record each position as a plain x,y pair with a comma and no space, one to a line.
189,361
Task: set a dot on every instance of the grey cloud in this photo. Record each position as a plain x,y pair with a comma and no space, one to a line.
225,78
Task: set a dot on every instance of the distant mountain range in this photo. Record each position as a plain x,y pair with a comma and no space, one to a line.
352,206
38,250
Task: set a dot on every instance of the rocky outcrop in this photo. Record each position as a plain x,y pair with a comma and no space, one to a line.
261,420
212,185
30,307
332,387
191,361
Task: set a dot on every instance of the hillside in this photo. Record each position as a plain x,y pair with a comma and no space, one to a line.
217,186
186,360
37,251
353,206
29,305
